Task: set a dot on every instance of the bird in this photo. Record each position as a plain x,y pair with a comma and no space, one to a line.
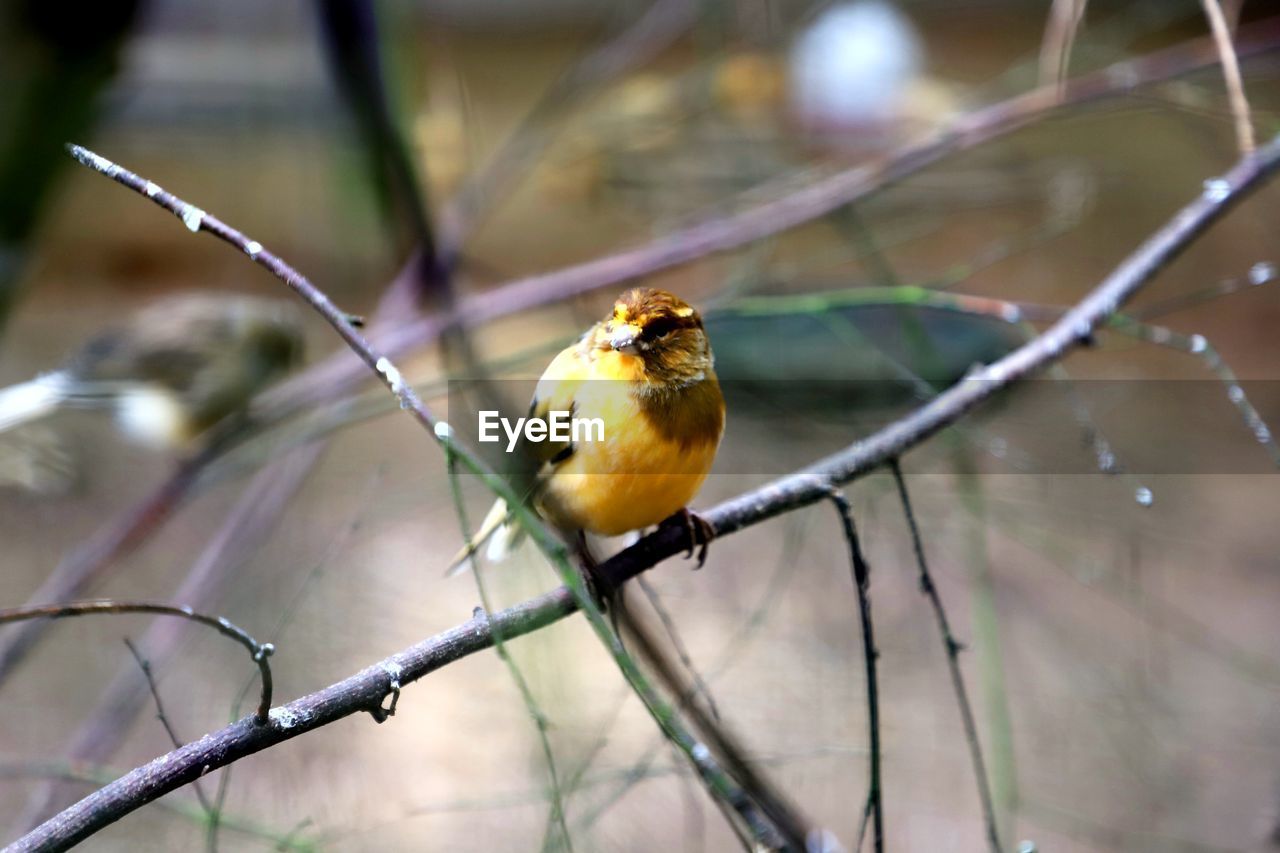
171,371
647,372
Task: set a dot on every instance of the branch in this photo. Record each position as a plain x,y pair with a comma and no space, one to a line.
862,586
87,564
1231,73
952,646
366,690
1065,17
258,651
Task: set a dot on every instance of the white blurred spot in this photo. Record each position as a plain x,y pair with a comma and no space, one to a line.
854,64
1262,272
392,374
1217,189
285,719
191,216
151,416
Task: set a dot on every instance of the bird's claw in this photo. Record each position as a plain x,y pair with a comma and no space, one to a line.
700,531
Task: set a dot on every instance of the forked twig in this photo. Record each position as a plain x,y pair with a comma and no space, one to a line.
163,717
732,648
109,719
80,569
258,651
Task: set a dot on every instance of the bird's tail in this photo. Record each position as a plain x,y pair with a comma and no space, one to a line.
498,530
28,401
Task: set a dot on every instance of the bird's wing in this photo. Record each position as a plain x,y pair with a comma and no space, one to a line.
554,392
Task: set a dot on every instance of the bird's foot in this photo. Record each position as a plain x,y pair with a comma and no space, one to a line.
700,531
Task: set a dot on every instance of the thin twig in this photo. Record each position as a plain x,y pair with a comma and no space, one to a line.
862,587
862,826
700,686
366,690
1199,347
1065,17
777,812
953,647
258,651
88,563
1231,73
145,666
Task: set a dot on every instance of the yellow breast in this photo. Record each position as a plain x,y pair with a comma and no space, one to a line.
651,462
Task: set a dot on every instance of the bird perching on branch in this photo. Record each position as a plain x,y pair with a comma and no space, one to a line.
645,374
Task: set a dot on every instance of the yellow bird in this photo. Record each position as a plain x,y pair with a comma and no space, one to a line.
646,372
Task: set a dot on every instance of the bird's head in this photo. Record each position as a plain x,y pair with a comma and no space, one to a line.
661,330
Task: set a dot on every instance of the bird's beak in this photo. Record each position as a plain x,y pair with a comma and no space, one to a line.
625,339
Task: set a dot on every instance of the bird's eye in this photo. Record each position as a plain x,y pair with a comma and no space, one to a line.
659,327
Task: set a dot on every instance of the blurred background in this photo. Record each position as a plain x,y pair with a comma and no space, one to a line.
1105,541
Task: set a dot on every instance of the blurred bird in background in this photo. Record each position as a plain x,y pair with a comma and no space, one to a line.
173,370
647,372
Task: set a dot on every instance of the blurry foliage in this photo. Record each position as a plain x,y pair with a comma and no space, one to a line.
55,64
